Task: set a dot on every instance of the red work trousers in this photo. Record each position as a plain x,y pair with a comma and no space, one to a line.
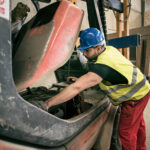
132,132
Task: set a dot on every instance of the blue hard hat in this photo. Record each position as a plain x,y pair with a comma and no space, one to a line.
89,38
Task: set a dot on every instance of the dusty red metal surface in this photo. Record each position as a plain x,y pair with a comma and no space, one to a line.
87,138
58,48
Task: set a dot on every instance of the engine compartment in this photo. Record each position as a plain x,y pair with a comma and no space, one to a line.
67,110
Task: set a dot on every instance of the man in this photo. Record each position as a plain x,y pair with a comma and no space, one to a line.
124,84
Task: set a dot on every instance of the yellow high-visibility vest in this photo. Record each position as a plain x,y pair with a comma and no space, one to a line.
137,86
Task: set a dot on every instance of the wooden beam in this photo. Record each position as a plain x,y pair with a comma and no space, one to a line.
126,26
144,32
147,59
138,56
119,27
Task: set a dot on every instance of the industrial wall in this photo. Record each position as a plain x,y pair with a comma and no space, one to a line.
134,16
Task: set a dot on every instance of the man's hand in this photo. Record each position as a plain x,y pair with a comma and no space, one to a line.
86,81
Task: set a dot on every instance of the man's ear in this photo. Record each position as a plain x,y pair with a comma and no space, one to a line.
99,49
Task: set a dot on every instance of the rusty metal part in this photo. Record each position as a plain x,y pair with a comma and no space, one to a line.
20,12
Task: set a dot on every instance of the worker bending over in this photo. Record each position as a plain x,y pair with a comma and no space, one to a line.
123,82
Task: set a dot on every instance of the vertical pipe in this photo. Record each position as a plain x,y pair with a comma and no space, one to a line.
118,27
126,26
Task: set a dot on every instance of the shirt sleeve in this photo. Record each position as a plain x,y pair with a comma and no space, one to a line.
108,73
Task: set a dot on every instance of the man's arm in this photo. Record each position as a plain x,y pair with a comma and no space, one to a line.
86,81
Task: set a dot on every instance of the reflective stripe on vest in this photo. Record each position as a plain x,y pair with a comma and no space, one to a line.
132,91
134,79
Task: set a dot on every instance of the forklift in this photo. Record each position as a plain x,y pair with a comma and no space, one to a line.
35,59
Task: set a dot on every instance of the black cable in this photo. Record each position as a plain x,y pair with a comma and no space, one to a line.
36,4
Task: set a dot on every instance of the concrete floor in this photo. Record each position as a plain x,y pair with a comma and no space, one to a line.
147,121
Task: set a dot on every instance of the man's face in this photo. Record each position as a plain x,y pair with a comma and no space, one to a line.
91,53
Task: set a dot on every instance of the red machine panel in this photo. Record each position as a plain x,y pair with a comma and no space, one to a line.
48,42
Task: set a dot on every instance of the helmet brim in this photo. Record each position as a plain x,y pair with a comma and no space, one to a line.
82,48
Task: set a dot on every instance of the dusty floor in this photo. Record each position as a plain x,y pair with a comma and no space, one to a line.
147,121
